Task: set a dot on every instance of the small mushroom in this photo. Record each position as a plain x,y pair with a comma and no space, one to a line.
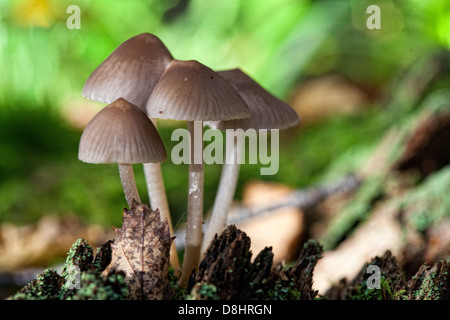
131,71
122,133
189,90
267,112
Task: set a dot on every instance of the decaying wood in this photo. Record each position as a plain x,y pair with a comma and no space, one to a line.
430,283
227,267
103,257
301,274
389,270
226,272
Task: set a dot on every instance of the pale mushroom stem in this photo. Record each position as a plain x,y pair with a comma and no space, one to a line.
225,194
195,203
128,183
158,200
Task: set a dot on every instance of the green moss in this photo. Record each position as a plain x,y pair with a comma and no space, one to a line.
80,255
203,291
284,290
209,291
364,293
95,287
432,285
385,292
46,286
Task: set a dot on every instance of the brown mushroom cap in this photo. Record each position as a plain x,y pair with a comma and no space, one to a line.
130,71
121,133
267,111
189,90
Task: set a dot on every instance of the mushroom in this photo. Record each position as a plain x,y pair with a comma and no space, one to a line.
189,90
267,112
122,133
131,71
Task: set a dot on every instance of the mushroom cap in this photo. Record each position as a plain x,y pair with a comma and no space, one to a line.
121,133
189,90
130,71
267,111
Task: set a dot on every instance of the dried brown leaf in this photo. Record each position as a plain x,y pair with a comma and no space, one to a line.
141,249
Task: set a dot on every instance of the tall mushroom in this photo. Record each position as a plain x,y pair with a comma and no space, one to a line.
189,90
267,112
131,71
122,133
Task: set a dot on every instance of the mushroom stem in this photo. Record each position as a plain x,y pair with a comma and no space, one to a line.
195,203
225,194
158,200
128,183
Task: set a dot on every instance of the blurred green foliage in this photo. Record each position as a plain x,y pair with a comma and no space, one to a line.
279,43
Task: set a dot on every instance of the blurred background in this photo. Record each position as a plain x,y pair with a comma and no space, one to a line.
373,102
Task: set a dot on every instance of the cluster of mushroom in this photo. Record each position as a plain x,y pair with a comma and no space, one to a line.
141,81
